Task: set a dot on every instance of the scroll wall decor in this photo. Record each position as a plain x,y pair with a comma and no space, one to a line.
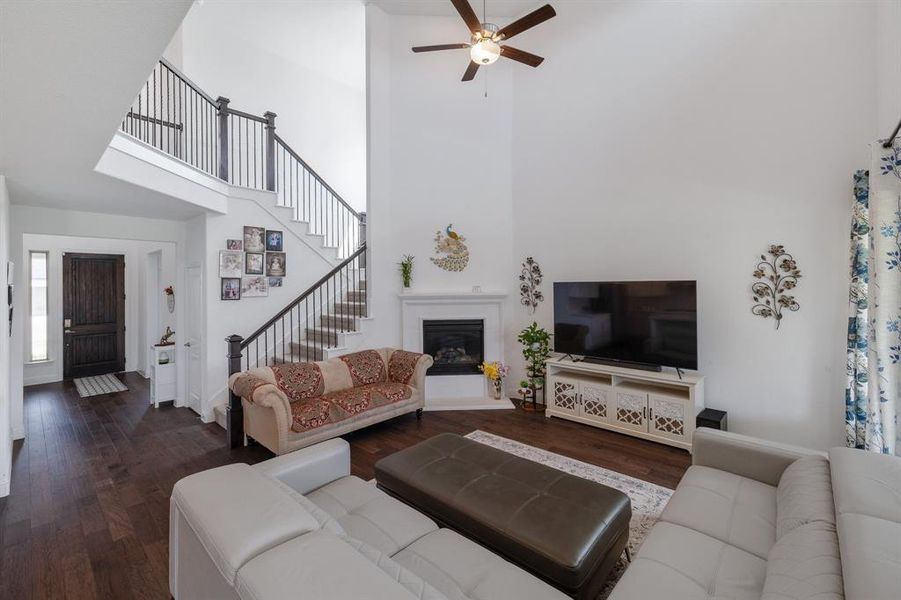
529,279
776,275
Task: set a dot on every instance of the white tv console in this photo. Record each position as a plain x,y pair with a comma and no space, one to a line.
653,405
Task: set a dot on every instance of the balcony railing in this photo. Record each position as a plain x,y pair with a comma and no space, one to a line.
171,113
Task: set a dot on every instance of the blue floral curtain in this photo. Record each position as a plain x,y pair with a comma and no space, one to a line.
874,324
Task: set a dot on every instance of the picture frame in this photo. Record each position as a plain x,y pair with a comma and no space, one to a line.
275,282
256,286
275,240
231,263
254,238
253,263
275,264
230,288
234,245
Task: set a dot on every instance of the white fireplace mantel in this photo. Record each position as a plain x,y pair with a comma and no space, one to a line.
456,392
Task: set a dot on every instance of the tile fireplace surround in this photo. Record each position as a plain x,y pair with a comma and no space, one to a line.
456,392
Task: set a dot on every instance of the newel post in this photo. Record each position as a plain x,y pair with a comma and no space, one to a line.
234,413
223,137
270,150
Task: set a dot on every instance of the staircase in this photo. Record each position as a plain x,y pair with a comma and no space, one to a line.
175,116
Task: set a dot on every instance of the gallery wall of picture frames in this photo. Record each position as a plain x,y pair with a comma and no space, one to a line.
248,267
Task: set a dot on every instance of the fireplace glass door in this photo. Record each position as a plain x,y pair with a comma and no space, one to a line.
457,345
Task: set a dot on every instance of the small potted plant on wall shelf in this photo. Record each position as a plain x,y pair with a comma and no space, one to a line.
406,270
170,299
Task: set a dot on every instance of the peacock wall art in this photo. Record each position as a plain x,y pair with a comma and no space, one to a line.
453,255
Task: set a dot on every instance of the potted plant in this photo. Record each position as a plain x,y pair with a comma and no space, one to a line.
536,349
406,269
495,373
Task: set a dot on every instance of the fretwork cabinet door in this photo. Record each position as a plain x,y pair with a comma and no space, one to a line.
596,401
668,416
564,394
631,410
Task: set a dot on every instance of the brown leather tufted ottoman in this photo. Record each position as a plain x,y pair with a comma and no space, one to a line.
567,530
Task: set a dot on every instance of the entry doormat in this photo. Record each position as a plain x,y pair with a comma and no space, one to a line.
98,385
648,499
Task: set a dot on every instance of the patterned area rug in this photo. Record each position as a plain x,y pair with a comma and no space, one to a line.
648,499
101,384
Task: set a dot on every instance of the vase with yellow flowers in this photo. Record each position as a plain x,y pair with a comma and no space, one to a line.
495,372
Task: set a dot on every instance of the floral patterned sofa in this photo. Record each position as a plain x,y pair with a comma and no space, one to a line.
293,405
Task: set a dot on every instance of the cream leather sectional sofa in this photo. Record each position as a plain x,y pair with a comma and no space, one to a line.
248,532
757,520
750,520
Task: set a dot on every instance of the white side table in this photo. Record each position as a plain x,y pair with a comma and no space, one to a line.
162,374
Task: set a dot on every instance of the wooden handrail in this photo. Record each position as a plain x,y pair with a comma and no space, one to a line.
313,288
312,172
187,81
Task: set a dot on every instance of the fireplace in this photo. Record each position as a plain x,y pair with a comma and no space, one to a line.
457,345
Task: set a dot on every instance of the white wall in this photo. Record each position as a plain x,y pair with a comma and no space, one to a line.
93,226
5,383
137,303
304,61
439,153
657,141
223,318
888,65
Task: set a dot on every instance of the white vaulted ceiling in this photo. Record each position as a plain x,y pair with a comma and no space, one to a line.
68,73
443,8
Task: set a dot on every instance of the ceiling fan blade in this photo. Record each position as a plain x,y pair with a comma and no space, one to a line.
469,16
439,47
532,19
522,56
470,71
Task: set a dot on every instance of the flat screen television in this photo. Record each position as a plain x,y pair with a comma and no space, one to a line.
647,323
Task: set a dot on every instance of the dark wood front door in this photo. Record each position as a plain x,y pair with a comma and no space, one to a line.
93,314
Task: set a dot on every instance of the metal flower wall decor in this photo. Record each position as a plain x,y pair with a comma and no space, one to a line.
529,280
776,275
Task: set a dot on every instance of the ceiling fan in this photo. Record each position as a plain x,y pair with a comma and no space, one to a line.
485,46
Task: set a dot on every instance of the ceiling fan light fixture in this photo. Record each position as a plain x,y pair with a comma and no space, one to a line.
485,51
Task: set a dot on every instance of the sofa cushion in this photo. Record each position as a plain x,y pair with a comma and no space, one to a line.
867,490
461,570
804,564
325,520
678,563
407,578
733,509
804,494
370,515
345,404
366,367
317,565
299,381
238,513
402,365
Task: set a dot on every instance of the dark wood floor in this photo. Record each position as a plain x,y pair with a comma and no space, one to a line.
88,513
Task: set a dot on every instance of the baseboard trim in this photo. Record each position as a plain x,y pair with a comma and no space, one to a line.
467,404
41,380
